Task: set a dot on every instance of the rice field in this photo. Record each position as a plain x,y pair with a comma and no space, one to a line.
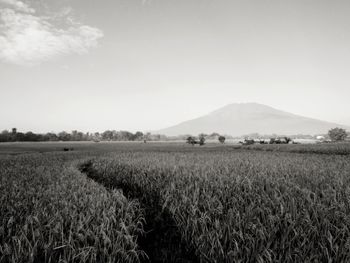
171,202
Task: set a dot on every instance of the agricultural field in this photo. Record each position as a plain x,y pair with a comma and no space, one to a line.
172,202
321,148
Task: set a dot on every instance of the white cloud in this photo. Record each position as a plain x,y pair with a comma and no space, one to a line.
18,5
28,39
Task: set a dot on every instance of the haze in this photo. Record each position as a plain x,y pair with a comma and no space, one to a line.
146,65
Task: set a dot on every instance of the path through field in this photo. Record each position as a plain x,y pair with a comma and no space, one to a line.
159,202
162,241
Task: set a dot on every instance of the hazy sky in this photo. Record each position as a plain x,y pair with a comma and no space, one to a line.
93,65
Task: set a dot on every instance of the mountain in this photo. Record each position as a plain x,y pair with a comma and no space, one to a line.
245,118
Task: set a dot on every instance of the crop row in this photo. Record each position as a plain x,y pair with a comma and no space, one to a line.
50,212
244,206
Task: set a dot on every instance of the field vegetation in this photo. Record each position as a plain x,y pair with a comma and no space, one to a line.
50,212
320,148
154,202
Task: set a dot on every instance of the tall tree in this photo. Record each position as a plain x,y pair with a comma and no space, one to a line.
337,134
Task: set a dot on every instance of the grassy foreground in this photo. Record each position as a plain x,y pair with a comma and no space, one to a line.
50,212
114,202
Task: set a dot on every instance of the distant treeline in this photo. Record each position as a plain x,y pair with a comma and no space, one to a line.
269,136
15,136
113,135
109,135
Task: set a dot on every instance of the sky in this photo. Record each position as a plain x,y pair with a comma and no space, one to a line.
93,65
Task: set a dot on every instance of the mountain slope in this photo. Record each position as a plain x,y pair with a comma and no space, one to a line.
244,118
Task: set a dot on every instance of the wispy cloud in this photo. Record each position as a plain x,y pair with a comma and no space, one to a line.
27,38
18,5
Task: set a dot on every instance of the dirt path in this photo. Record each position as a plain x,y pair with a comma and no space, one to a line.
162,242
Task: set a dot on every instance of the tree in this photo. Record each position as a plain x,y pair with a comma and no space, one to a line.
126,136
80,136
138,136
30,137
202,135
147,136
64,136
77,135
202,139
287,140
107,135
4,136
190,140
222,139
50,137
96,137
337,134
